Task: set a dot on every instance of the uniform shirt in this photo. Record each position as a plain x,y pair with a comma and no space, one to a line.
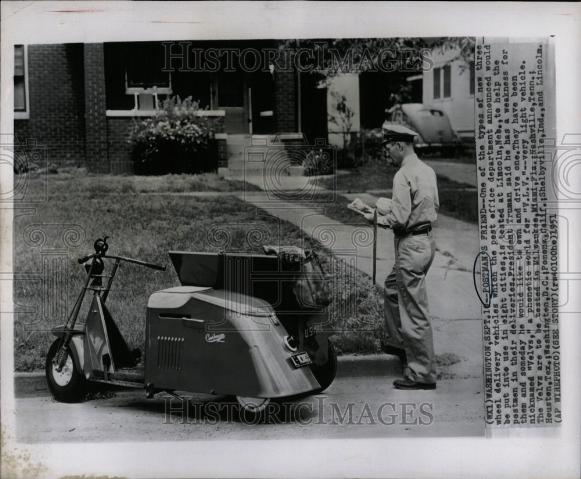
415,196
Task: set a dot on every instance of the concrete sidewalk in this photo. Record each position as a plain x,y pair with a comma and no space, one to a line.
281,182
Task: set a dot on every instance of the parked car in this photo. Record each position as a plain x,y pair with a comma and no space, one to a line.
432,125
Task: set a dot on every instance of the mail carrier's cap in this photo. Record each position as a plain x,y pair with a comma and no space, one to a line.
393,132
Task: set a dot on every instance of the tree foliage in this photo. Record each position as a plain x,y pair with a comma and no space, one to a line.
357,55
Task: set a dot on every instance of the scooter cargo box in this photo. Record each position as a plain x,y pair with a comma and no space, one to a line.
187,299
257,275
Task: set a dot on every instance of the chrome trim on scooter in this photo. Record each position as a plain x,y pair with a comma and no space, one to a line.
287,343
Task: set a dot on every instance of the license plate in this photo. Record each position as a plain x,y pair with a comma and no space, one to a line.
301,359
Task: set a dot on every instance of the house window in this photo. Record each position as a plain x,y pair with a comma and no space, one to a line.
437,82
144,78
144,63
20,80
443,82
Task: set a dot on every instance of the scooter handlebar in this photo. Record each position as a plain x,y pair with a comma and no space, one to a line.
155,266
138,262
84,259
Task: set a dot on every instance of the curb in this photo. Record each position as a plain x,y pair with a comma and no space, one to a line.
30,384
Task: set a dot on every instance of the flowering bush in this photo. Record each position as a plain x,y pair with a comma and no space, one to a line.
318,162
176,140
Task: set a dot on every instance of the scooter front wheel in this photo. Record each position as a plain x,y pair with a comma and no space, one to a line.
68,384
253,405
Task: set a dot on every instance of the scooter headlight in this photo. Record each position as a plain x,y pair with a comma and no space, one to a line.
290,343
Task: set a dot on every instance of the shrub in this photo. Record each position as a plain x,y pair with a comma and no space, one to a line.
176,140
372,142
348,159
318,162
362,147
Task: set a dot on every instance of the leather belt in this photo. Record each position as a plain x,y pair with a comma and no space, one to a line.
422,231
418,230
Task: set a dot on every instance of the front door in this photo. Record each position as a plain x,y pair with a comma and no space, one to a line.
229,92
261,102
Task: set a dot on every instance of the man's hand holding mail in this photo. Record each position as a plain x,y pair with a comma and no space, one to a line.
382,206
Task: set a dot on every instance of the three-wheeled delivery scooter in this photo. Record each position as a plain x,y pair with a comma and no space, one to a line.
238,325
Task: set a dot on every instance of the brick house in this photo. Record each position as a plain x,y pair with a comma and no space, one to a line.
79,100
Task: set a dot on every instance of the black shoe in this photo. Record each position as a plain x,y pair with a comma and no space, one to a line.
409,384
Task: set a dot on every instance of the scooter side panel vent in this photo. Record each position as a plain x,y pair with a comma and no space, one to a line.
169,352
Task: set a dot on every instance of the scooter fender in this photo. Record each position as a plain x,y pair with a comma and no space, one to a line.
277,377
213,342
76,344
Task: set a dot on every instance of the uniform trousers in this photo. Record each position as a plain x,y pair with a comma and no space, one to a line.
407,316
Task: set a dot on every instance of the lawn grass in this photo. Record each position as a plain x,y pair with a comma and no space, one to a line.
461,204
457,200
80,181
376,175
48,241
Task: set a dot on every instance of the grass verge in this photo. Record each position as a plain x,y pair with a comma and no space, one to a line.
77,180
457,200
377,175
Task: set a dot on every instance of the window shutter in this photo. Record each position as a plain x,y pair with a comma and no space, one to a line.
19,80
447,81
437,82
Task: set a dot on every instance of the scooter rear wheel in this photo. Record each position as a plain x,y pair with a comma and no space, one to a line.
68,384
253,405
325,373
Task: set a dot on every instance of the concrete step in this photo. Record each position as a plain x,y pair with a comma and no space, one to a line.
238,139
236,149
271,165
258,170
250,159
256,156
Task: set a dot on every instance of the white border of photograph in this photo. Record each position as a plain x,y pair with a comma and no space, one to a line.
515,452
